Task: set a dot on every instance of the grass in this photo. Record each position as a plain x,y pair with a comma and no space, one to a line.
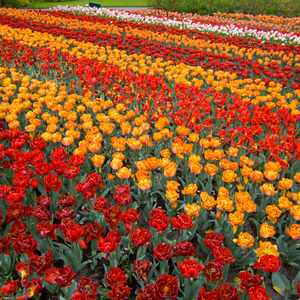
103,3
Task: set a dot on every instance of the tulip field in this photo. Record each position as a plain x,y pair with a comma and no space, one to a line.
149,155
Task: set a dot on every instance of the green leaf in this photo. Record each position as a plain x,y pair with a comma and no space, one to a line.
225,272
296,279
195,288
280,283
293,256
105,192
282,246
256,223
51,287
205,249
71,290
206,225
208,185
296,265
84,264
296,166
153,271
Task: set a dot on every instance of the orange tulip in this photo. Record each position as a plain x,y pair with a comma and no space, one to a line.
236,218
224,203
119,155
98,160
80,151
152,162
297,177
294,231
211,169
130,114
205,143
144,184
47,136
242,196
284,203
51,128
266,230
134,144
138,121
193,137
172,195
94,147
181,130
145,139
273,166
229,176
244,240
137,131
246,171
219,154
223,192
177,148
141,165
249,206
194,159
70,125
192,210
273,213
67,141
209,154
124,173
110,176
164,162
142,175
119,144
125,127
285,184
208,202
225,164
165,153
191,189
266,248
57,137
233,151
107,128
295,212
195,168
145,127
215,143
271,175
268,189
116,164
170,170
257,176
121,107
157,136
187,148
172,185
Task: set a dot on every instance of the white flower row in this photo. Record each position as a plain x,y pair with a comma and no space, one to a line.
230,30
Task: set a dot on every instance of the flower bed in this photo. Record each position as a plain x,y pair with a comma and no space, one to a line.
145,161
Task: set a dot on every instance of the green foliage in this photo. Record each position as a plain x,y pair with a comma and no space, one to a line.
15,3
35,4
285,8
53,1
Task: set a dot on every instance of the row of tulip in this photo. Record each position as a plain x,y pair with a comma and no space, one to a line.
128,164
283,30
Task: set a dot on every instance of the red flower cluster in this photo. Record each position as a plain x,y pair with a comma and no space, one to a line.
116,279
123,197
158,219
225,291
63,277
165,287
